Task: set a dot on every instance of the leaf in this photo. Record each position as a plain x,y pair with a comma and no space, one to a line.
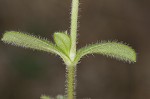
28,41
57,97
32,42
45,97
112,49
63,41
60,97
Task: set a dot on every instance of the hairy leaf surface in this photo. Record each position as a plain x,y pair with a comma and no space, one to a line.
63,41
28,41
32,42
113,49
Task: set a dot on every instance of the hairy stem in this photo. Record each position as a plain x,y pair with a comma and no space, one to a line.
74,25
71,81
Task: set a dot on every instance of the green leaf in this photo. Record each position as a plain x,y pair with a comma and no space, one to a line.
32,42
60,97
113,49
45,97
28,41
57,97
63,41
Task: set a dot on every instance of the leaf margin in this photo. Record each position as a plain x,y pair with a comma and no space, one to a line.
82,52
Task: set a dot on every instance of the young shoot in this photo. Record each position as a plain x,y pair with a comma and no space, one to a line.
65,46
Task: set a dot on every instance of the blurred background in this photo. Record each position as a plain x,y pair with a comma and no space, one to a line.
26,74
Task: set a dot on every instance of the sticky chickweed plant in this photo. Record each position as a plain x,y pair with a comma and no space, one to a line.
65,46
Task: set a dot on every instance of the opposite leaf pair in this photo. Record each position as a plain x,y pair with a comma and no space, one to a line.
63,44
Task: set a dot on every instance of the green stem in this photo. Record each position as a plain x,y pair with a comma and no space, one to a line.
71,74
74,25
71,69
